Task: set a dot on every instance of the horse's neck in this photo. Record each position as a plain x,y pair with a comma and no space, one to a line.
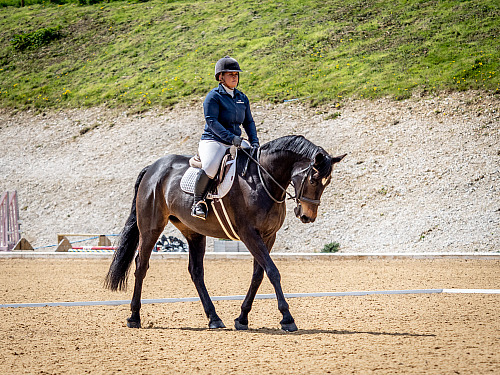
280,167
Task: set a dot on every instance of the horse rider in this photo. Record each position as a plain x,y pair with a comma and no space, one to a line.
226,109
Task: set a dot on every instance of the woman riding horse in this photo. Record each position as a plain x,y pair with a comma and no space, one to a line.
225,108
255,202
255,206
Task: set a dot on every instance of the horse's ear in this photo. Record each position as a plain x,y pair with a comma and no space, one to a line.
337,159
319,158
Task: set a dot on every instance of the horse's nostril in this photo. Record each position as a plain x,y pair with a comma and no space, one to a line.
307,219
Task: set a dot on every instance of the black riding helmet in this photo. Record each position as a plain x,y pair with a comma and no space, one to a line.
226,64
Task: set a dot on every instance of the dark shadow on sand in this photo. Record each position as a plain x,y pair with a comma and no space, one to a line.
277,331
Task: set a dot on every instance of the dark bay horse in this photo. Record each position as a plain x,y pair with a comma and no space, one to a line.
255,206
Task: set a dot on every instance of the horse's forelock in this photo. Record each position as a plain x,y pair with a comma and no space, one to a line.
324,167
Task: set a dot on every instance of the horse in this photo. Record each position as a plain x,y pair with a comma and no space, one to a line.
255,207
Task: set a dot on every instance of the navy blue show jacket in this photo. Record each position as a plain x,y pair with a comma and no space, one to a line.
225,114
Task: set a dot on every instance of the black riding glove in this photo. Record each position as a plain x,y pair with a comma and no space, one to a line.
237,141
255,145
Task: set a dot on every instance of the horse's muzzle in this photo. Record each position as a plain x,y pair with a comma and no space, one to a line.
306,219
303,217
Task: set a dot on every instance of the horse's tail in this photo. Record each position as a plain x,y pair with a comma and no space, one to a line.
116,279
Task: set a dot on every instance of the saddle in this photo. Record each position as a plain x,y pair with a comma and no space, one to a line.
223,180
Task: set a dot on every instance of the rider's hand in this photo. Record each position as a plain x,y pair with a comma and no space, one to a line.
237,141
255,145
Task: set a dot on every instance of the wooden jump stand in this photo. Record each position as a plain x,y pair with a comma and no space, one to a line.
10,238
22,245
9,224
64,245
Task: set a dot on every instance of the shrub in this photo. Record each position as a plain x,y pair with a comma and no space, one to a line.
331,247
36,39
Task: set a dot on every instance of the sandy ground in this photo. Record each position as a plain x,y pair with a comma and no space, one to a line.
421,174
418,334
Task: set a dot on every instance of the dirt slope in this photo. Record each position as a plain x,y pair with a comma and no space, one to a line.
421,174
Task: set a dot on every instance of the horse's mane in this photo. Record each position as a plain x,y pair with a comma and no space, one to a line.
299,145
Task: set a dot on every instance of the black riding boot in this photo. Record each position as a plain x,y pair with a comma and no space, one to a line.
200,208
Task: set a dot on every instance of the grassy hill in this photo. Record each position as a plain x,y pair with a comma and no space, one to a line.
157,53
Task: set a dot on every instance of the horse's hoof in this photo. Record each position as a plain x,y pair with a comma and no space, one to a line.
289,327
216,324
239,326
133,323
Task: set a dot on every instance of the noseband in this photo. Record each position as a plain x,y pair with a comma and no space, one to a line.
299,197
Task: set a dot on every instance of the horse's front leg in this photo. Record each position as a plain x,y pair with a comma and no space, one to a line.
287,323
241,322
260,251
197,245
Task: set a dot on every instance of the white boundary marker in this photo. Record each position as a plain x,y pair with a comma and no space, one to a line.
478,291
258,296
247,255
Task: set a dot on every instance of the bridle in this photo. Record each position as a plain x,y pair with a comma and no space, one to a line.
299,196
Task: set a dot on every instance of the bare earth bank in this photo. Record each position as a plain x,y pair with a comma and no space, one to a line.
421,175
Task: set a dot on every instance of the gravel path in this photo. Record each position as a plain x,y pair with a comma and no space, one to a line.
421,175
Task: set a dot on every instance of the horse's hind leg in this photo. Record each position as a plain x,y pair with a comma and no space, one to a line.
146,243
197,243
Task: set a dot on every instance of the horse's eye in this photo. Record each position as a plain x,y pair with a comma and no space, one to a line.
313,182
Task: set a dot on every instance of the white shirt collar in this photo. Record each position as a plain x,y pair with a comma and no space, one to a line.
228,90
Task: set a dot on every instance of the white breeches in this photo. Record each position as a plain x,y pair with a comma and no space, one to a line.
211,154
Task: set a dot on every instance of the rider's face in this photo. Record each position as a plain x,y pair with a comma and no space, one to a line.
230,79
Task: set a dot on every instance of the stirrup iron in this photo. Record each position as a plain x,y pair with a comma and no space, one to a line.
199,211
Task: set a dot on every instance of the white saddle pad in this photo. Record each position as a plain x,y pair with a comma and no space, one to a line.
189,178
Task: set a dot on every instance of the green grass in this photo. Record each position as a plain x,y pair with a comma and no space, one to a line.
157,53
